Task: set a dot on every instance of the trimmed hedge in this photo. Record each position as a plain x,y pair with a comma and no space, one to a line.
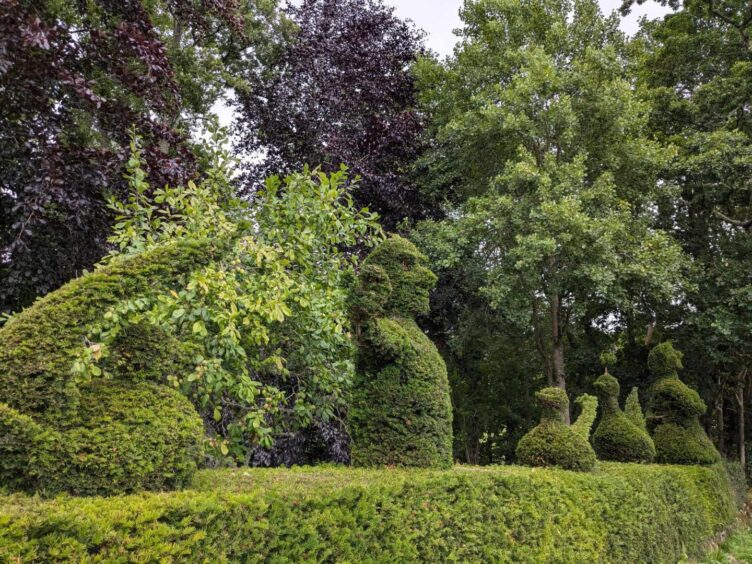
616,437
401,412
108,436
554,443
621,513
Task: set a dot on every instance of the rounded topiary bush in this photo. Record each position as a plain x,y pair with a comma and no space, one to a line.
400,413
553,442
674,411
616,437
126,437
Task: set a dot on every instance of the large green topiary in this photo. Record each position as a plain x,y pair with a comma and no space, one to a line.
98,437
674,410
617,438
401,411
553,442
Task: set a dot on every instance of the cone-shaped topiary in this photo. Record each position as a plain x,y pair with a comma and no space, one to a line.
617,438
107,436
675,409
553,442
633,409
401,411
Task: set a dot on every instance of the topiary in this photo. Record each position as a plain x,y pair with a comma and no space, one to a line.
617,438
588,412
633,409
98,437
674,409
401,410
553,442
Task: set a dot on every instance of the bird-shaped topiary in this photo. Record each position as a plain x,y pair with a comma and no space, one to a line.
675,409
616,437
553,442
401,412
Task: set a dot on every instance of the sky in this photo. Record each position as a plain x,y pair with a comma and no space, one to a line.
439,17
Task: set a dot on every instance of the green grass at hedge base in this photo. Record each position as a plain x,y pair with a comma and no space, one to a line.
619,513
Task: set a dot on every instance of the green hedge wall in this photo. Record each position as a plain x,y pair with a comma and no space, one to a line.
619,513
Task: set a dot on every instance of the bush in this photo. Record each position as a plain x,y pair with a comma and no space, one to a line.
674,410
553,442
633,409
39,345
125,437
103,436
401,411
589,410
617,438
621,513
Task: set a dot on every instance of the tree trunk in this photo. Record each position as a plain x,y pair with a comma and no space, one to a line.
740,402
557,341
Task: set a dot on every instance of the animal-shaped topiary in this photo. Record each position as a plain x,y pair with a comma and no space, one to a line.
674,410
401,411
553,442
105,436
617,437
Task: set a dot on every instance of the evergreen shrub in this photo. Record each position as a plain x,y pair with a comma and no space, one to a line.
553,442
620,513
616,437
675,409
401,413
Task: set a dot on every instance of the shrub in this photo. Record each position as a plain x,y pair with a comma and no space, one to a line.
621,513
589,410
39,345
553,442
401,411
98,437
617,438
125,437
674,409
633,410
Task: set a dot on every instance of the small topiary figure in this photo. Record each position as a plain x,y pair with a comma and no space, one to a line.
553,442
675,409
588,412
401,411
617,438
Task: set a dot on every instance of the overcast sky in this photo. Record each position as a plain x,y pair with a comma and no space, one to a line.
439,17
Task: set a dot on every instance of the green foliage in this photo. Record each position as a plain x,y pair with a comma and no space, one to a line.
267,321
674,408
125,437
622,513
633,410
589,410
553,442
664,361
400,412
617,438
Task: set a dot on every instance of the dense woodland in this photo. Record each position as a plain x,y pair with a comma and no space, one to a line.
581,195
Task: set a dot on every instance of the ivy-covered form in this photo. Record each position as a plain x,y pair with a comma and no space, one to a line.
617,437
104,436
675,409
553,442
401,411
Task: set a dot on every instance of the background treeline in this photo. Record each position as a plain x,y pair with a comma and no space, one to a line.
577,191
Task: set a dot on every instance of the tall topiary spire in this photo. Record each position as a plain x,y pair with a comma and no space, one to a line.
401,411
617,437
675,408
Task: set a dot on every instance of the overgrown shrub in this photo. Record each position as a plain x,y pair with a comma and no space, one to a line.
621,513
616,437
553,442
401,411
674,411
